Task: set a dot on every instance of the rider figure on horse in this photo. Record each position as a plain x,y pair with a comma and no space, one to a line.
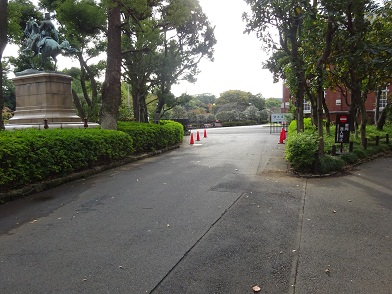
47,30
38,35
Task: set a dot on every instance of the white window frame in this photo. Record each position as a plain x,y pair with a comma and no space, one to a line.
383,98
307,107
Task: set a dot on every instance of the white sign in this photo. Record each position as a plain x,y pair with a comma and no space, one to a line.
280,117
277,118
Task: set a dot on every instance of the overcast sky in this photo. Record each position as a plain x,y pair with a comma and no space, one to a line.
238,56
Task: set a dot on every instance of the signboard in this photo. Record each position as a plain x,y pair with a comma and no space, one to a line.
342,134
280,117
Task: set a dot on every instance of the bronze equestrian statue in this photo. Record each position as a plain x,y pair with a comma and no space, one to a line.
43,39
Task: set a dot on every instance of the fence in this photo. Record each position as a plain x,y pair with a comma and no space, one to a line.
276,128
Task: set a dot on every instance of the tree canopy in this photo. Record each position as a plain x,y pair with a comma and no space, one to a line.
339,44
150,44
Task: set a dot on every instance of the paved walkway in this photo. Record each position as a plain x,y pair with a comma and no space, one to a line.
344,237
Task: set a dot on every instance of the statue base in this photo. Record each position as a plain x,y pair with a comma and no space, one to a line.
44,100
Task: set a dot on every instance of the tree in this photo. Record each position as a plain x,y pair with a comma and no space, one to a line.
3,43
111,87
83,25
187,38
141,37
380,38
237,100
252,113
163,48
273,103
353,65
287,18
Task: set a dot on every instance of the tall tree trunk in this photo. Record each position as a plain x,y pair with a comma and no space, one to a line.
327,116
143,108
139,94
135,103
111,87
356,96
378,98
78,104
320,97
363,122
3,43
383,116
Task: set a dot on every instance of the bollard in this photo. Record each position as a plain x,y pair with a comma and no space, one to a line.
333,152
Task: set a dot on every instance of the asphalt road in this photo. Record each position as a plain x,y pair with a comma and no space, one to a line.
200,219
219,216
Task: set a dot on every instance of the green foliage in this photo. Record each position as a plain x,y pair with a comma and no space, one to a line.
237,100
302,144
272,103
149,137
349,158
8,89
300,150
330,164
31,155
19,11
239,123
308,126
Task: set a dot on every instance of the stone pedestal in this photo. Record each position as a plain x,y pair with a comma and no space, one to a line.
44,97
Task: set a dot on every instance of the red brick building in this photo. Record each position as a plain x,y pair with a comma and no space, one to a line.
337,103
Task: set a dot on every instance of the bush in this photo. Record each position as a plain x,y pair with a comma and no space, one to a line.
32,155
308,126
300,151
149,137
239,123
349,158
330,164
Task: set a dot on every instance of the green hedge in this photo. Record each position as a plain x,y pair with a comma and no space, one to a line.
31,155
301,149
150,137
239,123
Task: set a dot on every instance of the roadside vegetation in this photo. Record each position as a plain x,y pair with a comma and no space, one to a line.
303,155
31,156
339,45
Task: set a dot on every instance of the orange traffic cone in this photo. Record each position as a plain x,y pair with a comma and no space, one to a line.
205,133
282,136
192,140
197,136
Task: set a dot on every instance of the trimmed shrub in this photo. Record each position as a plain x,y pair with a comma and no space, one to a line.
149,137
239,123
300,151
31,155
330,164
349,158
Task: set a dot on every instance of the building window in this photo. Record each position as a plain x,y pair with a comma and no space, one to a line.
338,102
383,98
307,107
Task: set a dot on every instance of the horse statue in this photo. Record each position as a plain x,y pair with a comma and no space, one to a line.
39,41
50,48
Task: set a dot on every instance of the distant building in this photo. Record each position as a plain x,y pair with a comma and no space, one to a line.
337,103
